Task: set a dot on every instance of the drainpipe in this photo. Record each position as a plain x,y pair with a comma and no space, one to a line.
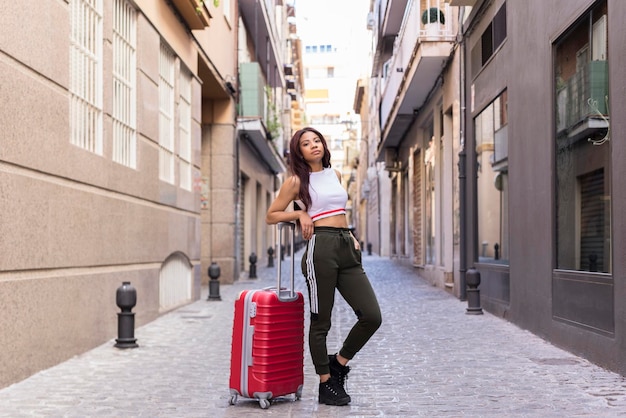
462,169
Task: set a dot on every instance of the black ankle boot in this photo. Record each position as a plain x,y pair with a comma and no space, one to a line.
332,393
339,372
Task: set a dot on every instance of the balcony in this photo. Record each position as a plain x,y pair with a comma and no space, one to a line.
258,16
419,54
392,13
582,101
193,12
253,112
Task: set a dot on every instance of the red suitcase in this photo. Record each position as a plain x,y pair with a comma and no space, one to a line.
267,353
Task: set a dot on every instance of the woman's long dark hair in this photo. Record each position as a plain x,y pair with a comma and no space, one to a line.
299,167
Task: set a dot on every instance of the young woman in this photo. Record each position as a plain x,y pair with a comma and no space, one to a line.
332,258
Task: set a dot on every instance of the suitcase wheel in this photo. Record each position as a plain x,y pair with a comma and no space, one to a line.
264,403
233,399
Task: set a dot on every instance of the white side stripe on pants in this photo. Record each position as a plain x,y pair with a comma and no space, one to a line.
310,276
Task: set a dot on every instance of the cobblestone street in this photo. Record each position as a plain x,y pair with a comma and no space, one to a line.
428,359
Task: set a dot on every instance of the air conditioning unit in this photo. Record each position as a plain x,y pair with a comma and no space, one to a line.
391,160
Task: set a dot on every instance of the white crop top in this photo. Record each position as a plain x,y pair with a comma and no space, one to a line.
328,197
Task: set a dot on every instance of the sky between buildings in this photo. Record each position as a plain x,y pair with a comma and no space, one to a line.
342,24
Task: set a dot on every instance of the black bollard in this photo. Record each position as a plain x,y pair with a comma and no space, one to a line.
252,260
369,248
496,251
214,284
126,299
282,253
270,257
472,279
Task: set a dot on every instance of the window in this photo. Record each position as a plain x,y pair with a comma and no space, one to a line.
185,130
490,128
491,39
486,45
124,84
583,146
86,74
166,114
499,27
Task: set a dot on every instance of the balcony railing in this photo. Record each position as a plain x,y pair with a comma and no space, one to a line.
583,96
438,18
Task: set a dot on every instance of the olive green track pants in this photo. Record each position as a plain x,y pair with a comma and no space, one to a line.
330,262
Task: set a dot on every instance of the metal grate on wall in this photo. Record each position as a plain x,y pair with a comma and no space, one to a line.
592,222
185,130
124,84
167,62
86,74
175,281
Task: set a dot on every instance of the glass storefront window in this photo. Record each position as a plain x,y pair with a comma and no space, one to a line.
490,128
583,167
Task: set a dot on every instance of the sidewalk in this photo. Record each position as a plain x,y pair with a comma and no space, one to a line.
428,359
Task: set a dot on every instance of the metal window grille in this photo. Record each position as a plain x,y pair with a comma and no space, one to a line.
185,130
124,84
166,114
86,74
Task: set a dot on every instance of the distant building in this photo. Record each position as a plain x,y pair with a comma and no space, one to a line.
415,92
333,62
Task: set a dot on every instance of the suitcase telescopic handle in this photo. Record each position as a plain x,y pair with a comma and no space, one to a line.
292,229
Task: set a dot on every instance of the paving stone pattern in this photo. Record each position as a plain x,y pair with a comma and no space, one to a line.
428,359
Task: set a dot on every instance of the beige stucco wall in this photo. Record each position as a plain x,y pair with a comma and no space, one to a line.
219,200
74,225
52,315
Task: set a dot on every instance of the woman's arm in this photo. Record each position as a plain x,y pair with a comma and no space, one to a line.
277,211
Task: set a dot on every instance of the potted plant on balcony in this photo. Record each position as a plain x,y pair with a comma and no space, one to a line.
432,18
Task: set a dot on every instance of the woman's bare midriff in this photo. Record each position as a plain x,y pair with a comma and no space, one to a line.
337,221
